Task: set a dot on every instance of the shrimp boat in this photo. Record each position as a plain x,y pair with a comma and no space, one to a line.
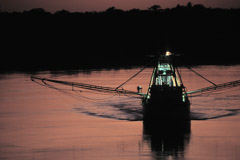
166,97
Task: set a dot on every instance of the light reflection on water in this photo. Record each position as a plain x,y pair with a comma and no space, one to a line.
44,123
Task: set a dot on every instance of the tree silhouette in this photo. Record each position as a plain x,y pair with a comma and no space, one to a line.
189,5
193,30
155,8
62,12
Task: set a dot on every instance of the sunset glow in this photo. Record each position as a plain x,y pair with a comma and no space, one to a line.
92,5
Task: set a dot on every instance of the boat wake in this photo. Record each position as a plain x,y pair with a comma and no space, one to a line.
215,106
204,116
130,109
124,108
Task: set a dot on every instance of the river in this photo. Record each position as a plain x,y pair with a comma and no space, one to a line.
64,123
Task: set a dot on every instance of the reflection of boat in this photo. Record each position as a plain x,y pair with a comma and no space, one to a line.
167,139
166,96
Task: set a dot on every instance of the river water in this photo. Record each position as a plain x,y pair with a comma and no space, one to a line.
64,123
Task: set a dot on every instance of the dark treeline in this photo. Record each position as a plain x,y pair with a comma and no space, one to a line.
40,40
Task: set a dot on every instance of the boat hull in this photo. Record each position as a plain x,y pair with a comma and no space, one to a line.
170,110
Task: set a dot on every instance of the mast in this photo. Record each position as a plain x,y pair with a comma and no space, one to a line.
165,79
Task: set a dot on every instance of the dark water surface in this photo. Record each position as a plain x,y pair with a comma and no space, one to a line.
38,122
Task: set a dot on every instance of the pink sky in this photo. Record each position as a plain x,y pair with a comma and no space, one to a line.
101,5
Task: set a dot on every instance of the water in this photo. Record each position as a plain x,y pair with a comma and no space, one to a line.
38,122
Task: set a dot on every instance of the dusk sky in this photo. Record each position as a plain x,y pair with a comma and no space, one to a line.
101,5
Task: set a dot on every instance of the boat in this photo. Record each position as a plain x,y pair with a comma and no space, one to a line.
166,97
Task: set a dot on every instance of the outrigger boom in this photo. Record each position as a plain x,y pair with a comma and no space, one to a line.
86,86
197,92
214,88
119,90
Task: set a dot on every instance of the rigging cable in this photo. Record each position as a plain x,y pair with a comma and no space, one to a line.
131,78
201,76
211,89
144,67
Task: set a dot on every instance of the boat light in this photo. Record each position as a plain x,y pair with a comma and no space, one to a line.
168,53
